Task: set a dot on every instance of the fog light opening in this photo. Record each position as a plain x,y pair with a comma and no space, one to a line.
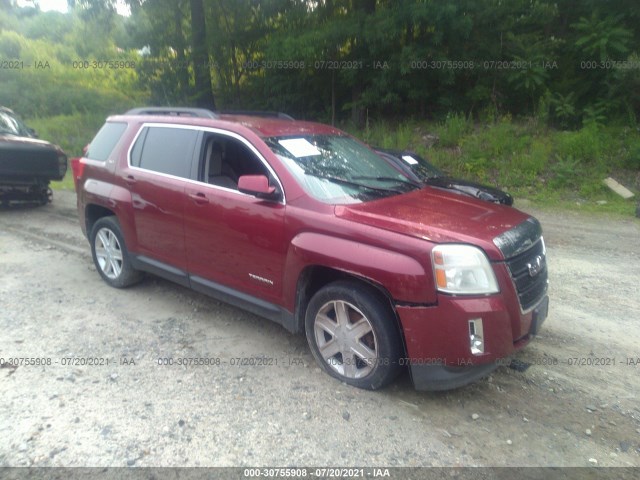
476,336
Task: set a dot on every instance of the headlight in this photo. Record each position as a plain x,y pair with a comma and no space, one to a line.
463,270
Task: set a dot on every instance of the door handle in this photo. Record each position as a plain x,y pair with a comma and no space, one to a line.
130,179
199,198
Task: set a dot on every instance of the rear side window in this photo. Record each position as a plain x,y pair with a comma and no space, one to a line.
165,150
105,140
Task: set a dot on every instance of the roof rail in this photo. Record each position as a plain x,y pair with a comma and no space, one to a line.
204,113
173,111
257,113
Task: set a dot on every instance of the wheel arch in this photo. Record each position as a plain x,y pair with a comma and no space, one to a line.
93,213
314,277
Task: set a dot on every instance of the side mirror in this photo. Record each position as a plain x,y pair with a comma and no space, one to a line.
258,186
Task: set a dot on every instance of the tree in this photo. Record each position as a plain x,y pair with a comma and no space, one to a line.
203,95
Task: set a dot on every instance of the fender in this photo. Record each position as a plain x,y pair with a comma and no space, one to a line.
123,208
119,201
403,276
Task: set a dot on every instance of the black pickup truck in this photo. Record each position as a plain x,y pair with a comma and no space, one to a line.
27,164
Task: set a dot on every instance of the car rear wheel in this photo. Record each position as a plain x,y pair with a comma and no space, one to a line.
353,335
110,254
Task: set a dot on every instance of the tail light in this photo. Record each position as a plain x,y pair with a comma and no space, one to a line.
77,167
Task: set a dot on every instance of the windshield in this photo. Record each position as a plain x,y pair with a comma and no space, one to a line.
420,166
10,124
338,169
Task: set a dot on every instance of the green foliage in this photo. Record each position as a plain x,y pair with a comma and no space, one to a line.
53,77
589,145
595,114
563,107
352,59
71,132
528,168
10,47
565,173
631,154
454,127
602,38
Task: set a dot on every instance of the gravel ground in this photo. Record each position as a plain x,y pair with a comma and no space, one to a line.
575,405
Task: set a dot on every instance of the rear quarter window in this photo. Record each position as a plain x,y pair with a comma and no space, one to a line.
105,140
165,150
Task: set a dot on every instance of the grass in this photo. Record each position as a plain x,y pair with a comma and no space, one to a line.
547,167
71,132
66,183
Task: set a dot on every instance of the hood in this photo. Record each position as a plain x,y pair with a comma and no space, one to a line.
8,141
439,216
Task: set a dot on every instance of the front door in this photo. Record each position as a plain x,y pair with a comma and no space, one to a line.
233,239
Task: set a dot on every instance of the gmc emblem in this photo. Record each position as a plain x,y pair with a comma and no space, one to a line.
535,267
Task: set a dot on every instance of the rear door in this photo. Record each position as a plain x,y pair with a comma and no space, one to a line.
159,165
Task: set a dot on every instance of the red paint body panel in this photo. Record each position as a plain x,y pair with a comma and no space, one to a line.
438,216
319,238
404,276
158,212
441,333
232,236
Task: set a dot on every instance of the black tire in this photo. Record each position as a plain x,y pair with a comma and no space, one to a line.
113,262
368,334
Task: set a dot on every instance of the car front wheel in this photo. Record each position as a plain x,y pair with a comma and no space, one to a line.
110,254
353,335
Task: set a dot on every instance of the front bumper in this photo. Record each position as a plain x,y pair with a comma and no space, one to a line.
437,338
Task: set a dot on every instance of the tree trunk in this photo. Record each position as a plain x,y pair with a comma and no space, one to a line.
182,70
362,8
357,112
200,57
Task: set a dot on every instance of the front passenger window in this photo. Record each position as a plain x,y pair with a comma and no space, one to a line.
225,159
217,168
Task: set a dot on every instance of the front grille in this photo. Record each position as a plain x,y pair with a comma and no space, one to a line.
529,273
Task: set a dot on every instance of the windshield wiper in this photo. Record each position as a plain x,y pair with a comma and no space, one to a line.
431,175
344,181
388,179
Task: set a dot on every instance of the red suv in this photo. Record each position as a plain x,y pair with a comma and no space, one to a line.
302,224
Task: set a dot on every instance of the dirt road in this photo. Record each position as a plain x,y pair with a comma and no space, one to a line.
105,397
